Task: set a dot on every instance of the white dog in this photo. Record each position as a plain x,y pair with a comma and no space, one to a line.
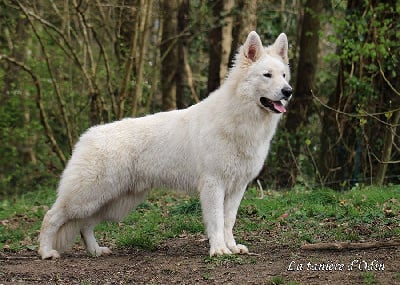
215,147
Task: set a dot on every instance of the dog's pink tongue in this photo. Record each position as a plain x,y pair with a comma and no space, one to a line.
279,107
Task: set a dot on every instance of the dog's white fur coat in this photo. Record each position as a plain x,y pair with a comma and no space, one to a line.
215,147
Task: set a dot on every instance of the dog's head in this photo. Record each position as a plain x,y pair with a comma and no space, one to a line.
268,72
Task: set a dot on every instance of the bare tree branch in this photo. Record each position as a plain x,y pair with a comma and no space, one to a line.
363,114
43,115
59,96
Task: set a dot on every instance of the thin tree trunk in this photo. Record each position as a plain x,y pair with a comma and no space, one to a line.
129,64
189,75
226,40
155,75
215,40
220,40
97,105
248,19
169,56
387,148
21,54
243,25
144,32
183,16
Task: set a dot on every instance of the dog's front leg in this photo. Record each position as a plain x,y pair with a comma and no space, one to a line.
212,204
231,205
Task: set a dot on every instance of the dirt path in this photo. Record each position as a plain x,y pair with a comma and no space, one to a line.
184,261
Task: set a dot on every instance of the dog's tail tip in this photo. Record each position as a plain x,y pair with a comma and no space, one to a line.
66,235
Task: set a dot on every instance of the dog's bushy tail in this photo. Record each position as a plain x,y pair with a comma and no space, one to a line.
66,235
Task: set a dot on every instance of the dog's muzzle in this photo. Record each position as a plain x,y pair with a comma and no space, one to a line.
274,106
287,92
277,106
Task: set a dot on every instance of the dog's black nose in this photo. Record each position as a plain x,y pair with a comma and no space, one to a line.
287,92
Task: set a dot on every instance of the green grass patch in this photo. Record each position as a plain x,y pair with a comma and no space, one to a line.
225,260
369,278
397,276
323,214
289,217
20,219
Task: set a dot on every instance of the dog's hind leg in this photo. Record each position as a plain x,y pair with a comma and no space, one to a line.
115,210
87,233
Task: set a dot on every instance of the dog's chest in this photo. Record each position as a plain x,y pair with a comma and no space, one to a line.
248,160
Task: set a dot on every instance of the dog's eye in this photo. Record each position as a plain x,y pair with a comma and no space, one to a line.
268,75
284,75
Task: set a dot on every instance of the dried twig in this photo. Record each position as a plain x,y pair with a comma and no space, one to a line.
350,245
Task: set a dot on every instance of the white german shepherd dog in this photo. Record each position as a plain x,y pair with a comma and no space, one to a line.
216,147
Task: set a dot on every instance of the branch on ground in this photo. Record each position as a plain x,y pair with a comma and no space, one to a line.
350,245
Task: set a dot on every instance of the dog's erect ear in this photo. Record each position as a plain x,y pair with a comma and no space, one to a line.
252,48
281,47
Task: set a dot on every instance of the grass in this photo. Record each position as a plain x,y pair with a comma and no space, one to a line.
20,219
369,278
279,280
325,215
293,217
224,260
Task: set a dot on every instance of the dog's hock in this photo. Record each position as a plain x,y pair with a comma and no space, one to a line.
281,47
253,46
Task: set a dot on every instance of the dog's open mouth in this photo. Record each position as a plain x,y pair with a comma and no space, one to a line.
274,106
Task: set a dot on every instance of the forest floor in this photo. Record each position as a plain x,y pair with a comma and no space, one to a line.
184,261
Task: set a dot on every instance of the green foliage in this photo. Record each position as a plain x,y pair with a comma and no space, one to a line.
18,139
271,23
359,55
367,37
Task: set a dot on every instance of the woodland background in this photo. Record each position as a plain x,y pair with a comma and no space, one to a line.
66,65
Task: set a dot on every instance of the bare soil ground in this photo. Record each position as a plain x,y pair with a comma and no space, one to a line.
184,261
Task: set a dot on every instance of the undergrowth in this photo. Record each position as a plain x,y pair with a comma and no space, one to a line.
286,217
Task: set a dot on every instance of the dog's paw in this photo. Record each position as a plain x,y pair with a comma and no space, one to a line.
239,249
52,254
217,251
105,250
99,251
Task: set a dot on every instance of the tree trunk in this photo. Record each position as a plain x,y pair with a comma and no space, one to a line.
169,54
245,23
21,54
146,9
301,104
129,65
226,40
215,40
387,148
183,23
220,40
